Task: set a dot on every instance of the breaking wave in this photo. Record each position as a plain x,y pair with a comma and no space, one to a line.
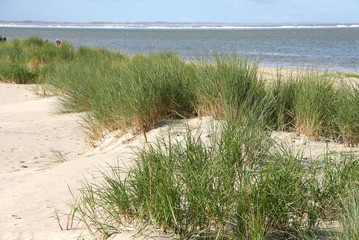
168,26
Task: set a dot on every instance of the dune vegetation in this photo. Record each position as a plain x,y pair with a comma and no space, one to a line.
243,186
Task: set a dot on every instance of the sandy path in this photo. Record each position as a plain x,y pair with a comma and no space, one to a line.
33,180
30,179
31,133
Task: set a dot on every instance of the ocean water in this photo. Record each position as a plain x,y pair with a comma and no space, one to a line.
333,47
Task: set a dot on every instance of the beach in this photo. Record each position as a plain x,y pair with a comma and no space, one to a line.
44,153
32,183
41,156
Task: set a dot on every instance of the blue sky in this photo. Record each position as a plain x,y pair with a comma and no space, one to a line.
224,11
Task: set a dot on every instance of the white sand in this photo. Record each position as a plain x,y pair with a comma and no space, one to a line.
34,180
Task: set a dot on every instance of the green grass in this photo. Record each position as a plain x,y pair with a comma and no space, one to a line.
313,105
229,190
227,83
345,120
243,186
351,75
28,60
122,92
130,93
349,216
318,105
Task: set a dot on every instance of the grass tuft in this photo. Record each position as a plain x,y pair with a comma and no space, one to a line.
229,189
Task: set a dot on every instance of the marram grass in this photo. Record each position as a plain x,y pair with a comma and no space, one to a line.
28,60
223,191
121,92
243,186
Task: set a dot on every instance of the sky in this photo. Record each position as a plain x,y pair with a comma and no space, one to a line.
221,11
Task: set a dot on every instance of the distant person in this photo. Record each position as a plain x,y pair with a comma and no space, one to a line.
2,38
58,42
46,41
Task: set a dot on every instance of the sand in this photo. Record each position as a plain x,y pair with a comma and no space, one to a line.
42,153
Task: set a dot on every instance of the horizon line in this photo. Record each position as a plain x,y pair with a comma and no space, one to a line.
175,22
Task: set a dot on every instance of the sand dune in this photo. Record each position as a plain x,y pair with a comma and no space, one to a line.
42,153
40,156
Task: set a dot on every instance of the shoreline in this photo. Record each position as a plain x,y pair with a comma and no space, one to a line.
189,44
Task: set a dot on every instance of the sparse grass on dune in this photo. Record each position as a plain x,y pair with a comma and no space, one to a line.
347,113
130,93
284,94
28,61
349,216
228,190
317,104
156,86
226,83
314,99
121,92
243,186
89,64
351,75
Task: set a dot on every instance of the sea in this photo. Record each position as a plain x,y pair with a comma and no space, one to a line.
322,46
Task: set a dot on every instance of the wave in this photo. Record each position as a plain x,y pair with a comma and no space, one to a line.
169,26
